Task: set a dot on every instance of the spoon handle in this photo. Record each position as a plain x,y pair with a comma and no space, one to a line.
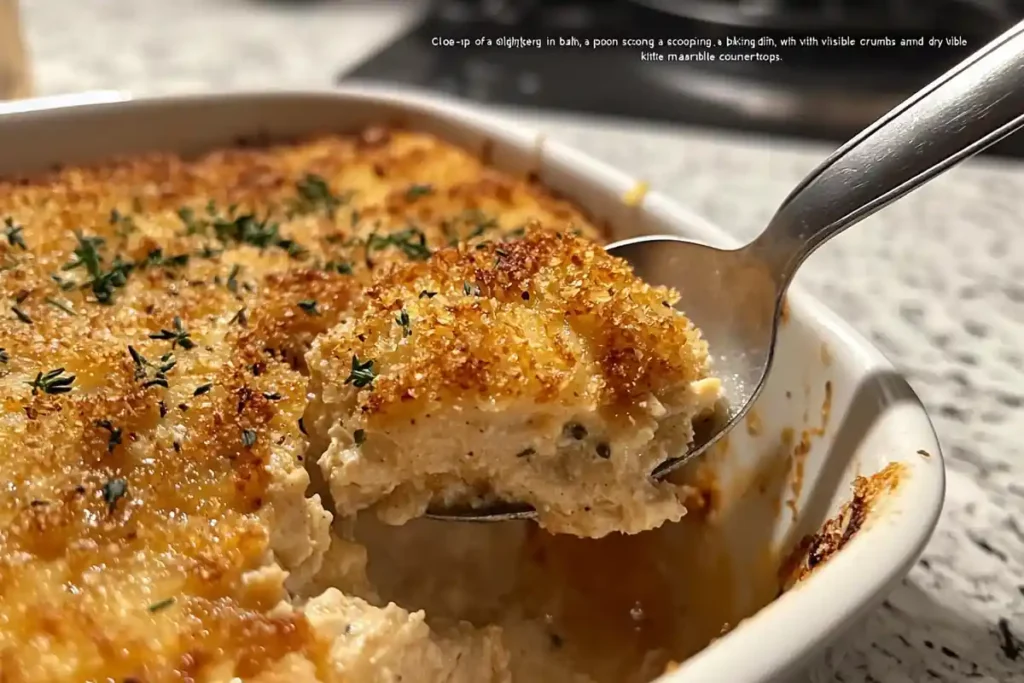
970,107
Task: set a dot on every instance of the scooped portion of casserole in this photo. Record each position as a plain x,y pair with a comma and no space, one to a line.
540,370
157,519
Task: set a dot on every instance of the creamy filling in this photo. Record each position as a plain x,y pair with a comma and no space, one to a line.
587,474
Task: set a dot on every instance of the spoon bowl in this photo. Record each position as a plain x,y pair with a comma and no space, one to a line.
733,299
736,296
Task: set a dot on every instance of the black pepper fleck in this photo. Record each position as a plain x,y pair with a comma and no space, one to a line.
576,431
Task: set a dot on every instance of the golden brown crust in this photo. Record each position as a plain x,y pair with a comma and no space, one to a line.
141,526
550,316
815,550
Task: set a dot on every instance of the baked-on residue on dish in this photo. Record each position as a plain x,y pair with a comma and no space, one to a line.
156,311
540,370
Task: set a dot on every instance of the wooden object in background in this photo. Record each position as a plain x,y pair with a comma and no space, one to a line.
15,74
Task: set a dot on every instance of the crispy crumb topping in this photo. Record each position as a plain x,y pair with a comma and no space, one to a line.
155,313
550,316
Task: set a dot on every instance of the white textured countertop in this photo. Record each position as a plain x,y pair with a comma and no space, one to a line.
936,281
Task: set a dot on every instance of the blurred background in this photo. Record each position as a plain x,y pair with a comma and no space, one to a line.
815,91
822,93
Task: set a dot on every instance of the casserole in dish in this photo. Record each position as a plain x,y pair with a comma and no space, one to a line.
613,609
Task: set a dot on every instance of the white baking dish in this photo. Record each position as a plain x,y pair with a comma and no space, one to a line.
874,418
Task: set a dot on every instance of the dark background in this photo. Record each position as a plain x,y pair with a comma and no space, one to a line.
813,92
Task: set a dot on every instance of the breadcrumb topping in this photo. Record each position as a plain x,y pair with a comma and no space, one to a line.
551,316
538,371
155,314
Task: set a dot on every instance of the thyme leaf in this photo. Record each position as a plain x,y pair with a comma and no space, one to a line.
52,382
160,605
403,321
313,193
179,336
13,232
309,306
411,241
416,191
362,373
115,434
113,491
21,315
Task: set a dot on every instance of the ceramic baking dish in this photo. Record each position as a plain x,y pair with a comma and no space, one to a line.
833,410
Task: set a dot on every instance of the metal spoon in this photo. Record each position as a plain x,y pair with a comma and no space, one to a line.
735,296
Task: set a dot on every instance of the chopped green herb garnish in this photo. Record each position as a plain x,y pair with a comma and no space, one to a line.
21,315
115,434
13,232
142,367
60,305
178,336
403,320
309,306
313,194
362,373
294,249
86,254
359,436
354,218
113,491
64,285
271,395
140,362
103,286
248,437
427,295
125,224
193,225
411,241
161,605
417,191
233,278
202,389
482,226
340,267
157,258
248,229
480,222
516,233
239,317
470,289
103,282
158,381
525,453
209,252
